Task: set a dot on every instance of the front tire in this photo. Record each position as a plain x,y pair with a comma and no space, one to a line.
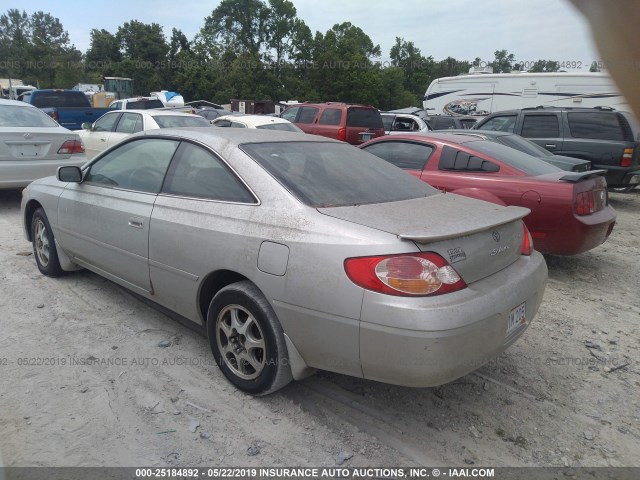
247,339
44,245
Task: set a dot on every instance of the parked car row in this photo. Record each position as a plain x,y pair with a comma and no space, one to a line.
289,241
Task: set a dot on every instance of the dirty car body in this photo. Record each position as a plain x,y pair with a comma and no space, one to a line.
296,253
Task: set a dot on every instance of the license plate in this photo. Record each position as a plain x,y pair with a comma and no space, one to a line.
517,319
27,150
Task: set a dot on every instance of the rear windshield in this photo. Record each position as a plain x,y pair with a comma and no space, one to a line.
283,127
517,159
11,116
170,121
59,99
334,175
524,145
364,117
144,104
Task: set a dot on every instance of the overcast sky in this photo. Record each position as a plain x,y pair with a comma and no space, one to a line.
463,29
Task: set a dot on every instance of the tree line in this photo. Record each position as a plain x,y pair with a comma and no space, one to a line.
248,49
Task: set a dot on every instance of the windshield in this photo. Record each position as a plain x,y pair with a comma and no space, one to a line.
332,175
524,145
144,104
11,116
170,121
522,161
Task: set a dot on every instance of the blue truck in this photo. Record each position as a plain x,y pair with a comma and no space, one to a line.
70,108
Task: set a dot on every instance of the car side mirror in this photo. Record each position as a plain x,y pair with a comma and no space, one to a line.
87,126
69,174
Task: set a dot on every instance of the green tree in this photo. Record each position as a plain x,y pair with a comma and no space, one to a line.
545,66
503,62
15,39
238,25
103,55
417,69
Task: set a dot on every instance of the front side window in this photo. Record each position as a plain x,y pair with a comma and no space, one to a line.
106,123
501,123
196,172
291,114
138,165
540,126
405,155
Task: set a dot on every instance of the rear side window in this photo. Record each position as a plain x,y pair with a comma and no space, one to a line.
599,126
129,123
307,115
540,126
364,117
196,172
456,160
331,116
501,123
405,155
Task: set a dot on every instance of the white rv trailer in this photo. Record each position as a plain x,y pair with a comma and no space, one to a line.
481,94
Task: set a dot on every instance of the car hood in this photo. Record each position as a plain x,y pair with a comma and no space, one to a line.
429,219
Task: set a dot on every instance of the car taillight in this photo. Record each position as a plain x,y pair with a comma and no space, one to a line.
627,157
527,241
54,115
413,274
342,134
70,147
585,203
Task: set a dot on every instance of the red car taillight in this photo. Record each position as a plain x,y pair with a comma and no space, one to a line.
413,274
627,157
70,147
590,202
527,241
342,134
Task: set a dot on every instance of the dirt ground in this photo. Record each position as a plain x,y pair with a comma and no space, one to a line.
83,381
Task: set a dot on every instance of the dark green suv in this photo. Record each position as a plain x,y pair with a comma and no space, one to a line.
608,138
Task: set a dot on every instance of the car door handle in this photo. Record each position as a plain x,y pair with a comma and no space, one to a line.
136,222
550,145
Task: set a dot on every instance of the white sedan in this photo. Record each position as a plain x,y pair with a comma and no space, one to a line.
114,126
261,122
33,145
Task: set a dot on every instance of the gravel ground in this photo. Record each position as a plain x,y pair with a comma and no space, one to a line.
84,382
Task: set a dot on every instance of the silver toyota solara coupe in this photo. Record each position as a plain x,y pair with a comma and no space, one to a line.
296,252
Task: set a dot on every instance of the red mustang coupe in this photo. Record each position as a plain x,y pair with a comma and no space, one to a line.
570,211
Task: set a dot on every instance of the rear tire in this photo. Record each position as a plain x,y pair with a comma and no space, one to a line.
247,339
44,245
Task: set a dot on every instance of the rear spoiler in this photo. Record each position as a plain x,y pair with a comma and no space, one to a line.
575,177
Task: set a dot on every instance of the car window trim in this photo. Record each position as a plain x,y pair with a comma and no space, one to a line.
414,142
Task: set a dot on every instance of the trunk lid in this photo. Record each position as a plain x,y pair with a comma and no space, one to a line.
477,238
38,143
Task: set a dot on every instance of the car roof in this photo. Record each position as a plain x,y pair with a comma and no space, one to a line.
159,113
15,103
224,138
253,120
443,137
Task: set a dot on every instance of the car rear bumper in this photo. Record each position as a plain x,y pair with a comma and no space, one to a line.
618,176
579,234
428,341
20,173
